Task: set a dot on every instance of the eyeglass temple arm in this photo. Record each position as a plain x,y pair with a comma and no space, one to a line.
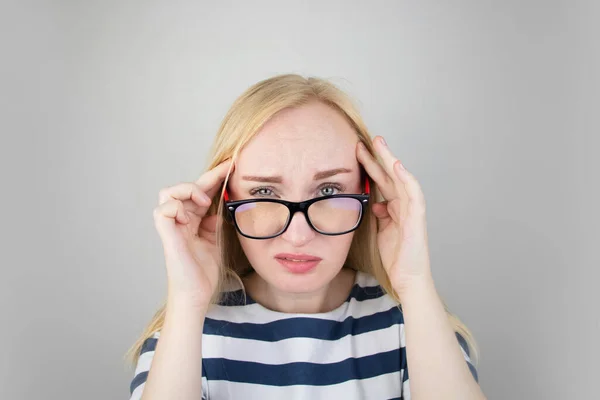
226,195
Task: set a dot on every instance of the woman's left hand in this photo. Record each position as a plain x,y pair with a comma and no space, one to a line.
402,233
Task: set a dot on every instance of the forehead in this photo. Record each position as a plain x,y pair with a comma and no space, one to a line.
301,140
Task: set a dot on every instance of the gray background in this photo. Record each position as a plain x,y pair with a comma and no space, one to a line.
493,106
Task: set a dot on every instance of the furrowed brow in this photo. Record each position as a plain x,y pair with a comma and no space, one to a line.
278,179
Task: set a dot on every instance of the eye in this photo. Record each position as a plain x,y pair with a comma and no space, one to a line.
325,190
261,191
330,189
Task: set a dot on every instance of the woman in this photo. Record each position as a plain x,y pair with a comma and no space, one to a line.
287,262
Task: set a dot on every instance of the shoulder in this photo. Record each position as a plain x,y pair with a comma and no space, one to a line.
369,303
367,284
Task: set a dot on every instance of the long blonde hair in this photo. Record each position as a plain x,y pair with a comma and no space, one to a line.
244,119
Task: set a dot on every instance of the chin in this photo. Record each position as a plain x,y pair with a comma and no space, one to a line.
308,281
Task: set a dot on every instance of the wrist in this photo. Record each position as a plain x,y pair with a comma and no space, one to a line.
188,301
414,285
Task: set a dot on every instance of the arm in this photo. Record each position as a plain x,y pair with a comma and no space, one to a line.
437,366
191,254
176,371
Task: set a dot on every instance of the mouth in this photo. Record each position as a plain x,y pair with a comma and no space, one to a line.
297,257
297,263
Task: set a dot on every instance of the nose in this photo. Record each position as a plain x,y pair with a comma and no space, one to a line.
299,232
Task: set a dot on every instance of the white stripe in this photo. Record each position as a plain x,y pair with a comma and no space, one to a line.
380,387
301,349
144,362
406,390
137,393
364,279
257,314
402,337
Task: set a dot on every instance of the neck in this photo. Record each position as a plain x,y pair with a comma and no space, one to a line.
325,299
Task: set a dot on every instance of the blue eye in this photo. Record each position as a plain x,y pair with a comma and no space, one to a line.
261,191
327,192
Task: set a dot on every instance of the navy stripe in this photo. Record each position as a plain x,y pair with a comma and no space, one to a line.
149,345
359,293
304,327
137,381
473,372
303,373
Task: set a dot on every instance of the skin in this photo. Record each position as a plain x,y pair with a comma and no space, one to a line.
296,144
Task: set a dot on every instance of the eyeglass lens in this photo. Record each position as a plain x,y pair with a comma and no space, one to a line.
263,219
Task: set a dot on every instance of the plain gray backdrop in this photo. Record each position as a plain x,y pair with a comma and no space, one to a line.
492,105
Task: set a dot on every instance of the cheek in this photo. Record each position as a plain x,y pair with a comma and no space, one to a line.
337,247
341,244
252,248
258,252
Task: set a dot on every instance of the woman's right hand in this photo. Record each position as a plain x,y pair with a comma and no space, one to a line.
188,236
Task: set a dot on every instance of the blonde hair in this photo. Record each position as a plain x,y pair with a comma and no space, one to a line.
244,119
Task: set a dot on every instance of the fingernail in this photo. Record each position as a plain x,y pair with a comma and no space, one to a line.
383,141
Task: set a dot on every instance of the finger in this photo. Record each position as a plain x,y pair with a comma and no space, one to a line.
170,212
376,172
414,192
194,200
391,165
387,157
184,191
210,181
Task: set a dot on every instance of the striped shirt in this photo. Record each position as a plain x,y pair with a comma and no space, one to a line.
356,351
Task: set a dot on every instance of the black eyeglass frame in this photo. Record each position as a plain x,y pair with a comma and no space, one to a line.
294,207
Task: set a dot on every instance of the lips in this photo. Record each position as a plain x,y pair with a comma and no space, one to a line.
297,257
298,263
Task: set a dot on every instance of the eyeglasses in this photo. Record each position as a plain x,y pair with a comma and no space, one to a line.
331,215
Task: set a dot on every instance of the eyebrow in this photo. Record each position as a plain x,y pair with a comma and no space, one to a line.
278,179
